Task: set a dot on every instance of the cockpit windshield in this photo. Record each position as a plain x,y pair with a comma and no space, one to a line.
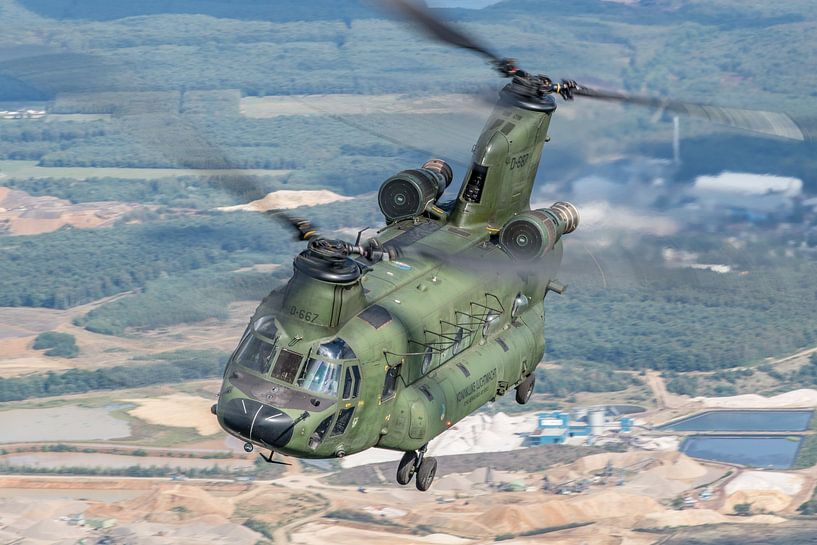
256,350
265,327
320,377
255,354
336,349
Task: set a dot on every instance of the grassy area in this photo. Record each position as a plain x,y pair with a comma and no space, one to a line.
540,531
790,533
259,526
360,516
809,508
807,455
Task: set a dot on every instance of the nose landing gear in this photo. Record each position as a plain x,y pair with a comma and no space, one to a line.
416,463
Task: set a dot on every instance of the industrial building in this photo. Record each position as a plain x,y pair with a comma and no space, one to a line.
556,427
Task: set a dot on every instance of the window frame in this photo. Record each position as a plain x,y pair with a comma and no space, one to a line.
393,373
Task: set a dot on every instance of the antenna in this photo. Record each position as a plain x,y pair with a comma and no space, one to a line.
676,140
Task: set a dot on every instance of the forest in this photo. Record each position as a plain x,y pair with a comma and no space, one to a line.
653,317
76,266
179,299
162,84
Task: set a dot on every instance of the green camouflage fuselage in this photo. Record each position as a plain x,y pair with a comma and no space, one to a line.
394,358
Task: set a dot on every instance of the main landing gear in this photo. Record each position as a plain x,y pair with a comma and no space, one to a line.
416,463
525,389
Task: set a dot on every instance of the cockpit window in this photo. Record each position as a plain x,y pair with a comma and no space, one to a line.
258,345
286,366
255,354
336,349
265,326
320,377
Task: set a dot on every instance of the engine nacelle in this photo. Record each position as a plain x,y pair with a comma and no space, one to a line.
408,193
533,233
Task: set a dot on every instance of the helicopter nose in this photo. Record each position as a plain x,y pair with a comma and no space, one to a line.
256,422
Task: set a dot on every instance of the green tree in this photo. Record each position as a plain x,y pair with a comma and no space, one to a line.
743,509
56,344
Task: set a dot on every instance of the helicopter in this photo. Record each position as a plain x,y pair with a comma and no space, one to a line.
390,341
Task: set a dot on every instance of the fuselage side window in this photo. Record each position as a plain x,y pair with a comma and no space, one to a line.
356,374
347,384
390,385
342,422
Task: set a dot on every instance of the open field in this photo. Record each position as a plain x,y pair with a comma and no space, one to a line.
29,169
19,327
23,214
177,410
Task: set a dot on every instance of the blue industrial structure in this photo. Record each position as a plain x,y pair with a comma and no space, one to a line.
555,427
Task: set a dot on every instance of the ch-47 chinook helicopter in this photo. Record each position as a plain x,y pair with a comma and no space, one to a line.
389,342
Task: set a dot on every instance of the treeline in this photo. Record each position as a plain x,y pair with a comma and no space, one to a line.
130,471
175,368
571,379
152,471
743,381
283,10
42,130
31,139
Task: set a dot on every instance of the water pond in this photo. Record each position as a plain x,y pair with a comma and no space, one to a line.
777,452
64,423
744,421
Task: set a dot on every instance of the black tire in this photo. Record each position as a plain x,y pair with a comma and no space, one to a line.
525,389
425,475
405,471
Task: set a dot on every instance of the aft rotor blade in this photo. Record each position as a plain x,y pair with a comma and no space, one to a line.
439,29
497,263
771,123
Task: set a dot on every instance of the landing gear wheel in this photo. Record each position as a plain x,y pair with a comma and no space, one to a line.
525,389
425,475
406,469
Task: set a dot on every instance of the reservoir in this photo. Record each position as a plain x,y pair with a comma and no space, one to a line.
775,452
744,421
63,423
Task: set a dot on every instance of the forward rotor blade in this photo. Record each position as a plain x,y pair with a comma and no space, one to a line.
771,123
439,29
181,143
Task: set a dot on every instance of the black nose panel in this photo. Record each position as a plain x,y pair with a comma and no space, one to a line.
257,422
